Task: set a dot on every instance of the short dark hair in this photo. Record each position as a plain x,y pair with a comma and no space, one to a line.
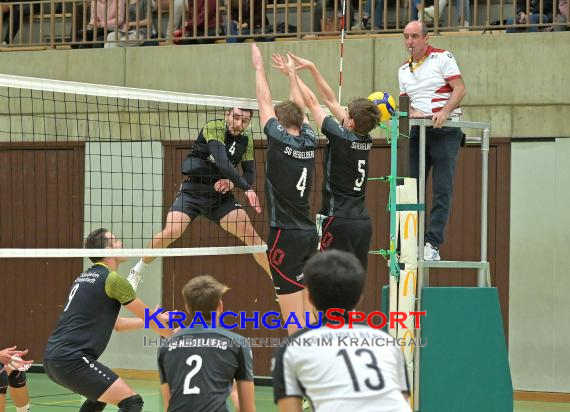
335,279
365,114
203,294
289,114
97,240
242,109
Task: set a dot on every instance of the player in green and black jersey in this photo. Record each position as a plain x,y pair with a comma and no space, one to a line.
289,176
199,366
211,174
347,224
84,328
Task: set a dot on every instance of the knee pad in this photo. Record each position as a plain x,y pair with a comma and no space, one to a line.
17,379
3,382
92,406
131,404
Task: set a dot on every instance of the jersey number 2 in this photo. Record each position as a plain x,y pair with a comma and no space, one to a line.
358,182
195,362
302,183
372,384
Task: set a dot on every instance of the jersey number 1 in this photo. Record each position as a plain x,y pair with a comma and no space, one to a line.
192,390
302,183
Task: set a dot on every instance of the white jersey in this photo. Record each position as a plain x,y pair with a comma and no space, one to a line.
427,81
359,369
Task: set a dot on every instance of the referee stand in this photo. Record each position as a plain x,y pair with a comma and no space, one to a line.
464,365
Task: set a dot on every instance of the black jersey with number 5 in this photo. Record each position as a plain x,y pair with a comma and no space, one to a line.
289,174
345,171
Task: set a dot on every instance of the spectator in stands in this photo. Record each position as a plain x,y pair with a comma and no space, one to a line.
531,16
326,23
205,22
138,27
178,13
114,10
562,17
233,20
367,23
12,13
462,12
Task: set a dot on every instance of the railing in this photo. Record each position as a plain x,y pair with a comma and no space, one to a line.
80,23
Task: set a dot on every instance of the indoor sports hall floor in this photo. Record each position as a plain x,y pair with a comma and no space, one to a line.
45,396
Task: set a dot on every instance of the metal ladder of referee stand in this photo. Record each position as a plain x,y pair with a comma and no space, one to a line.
482,266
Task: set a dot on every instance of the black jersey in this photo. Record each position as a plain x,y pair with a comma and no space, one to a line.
345,171
289,175
89,314
216,154
200,366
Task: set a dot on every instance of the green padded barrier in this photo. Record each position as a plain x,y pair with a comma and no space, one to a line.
464,367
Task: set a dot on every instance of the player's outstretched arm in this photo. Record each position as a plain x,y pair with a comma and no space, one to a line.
246,396
137,308
298,90
290,404
123,324
262,91
325,92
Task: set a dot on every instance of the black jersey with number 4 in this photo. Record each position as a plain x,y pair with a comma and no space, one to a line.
289,174
345,171
199,365
89,314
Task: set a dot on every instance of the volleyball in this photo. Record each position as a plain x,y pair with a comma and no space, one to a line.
386,104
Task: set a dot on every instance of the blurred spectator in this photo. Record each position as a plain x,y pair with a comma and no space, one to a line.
234,21
138,27
115,11
204,22
12,13
462,9
562,18
178,15
326,23
367,23
531,16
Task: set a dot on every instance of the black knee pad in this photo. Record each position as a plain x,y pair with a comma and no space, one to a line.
3,381
17,379
92,406
131,404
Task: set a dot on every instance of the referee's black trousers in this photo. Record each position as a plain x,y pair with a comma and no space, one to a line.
442,147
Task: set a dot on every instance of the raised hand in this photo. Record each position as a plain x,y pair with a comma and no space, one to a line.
279,63
301,63
256,58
